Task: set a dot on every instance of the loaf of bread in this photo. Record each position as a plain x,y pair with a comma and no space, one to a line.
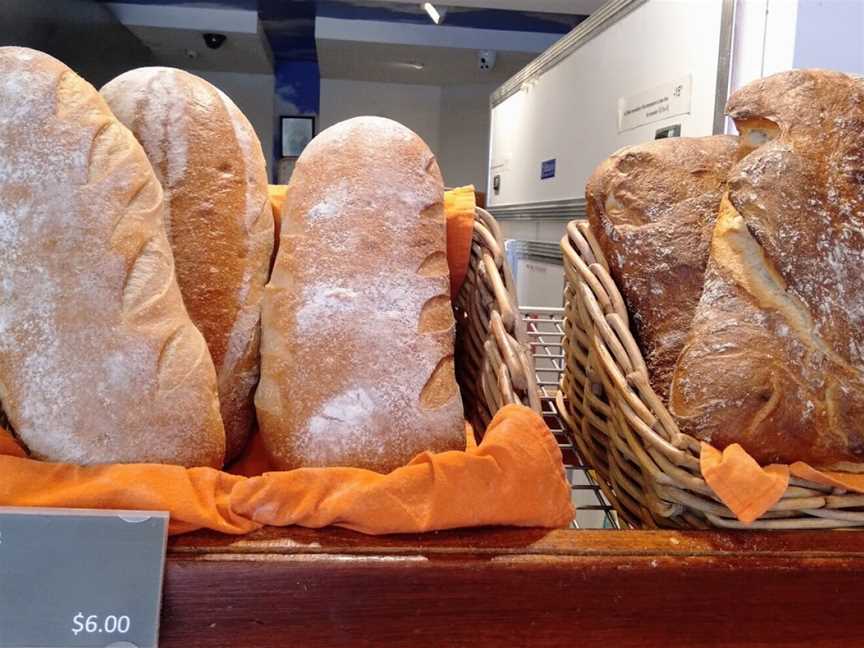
775,357
652,208
210,164
358,331
99,360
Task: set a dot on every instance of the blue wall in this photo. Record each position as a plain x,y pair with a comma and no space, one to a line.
298,92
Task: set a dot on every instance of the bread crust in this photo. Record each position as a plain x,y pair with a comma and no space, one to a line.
775,358
652,208
210,163
358,330
99,361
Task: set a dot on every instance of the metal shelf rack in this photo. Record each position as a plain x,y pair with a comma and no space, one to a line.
545,328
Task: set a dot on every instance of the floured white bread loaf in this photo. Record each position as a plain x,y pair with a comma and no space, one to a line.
99,361
652,208
210,164
775,359
358,330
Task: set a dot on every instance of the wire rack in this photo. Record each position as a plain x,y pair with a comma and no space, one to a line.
545,328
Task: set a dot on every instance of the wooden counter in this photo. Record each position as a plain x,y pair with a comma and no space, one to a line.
514,588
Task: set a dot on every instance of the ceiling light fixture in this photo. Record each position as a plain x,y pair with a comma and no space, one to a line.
414,65
434,14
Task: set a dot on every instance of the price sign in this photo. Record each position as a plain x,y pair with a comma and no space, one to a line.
74,578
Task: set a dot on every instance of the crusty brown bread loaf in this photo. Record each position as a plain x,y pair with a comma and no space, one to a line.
358,330
99,361
652,208
775,358
210,164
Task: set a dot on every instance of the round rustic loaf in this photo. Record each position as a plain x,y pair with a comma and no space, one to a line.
775,358
652,208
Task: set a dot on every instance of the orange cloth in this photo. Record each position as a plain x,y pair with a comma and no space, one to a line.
750,490
278,194
459,206
742,484
514,477
849,481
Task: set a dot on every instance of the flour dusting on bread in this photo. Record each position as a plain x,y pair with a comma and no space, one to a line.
345,365
89,294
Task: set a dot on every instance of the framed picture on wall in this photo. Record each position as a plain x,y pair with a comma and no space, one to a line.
297,132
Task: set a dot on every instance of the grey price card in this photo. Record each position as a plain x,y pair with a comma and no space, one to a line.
72,578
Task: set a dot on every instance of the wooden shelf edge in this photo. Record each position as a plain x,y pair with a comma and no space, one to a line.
513,587
510,541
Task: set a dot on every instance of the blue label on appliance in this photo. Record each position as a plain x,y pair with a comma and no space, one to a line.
547,169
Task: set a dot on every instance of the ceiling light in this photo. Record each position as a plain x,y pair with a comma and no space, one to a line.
414,65
436,15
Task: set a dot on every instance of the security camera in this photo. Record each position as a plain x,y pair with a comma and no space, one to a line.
486,60
214,41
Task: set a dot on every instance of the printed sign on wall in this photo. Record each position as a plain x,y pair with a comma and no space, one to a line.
660,102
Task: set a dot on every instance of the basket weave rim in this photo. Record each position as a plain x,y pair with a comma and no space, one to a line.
493,361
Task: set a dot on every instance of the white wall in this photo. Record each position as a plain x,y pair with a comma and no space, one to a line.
533,229
453,120
464,135
253,94
415,106
776,35
570,113
830,34
764,41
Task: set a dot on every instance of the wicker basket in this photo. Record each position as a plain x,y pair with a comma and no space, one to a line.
493,365
647,468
